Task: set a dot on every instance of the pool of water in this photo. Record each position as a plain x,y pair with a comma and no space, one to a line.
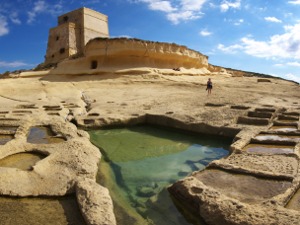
284,128
139,163
43,135
269,149
277,137
40,210
23,161
5,138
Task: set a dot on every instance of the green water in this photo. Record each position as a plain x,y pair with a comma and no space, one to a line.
140,162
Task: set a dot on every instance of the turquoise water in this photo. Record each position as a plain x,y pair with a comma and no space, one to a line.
139,163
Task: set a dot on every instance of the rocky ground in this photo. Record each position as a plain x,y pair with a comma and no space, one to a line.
258,184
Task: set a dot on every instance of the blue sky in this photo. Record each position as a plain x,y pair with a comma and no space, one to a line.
253,35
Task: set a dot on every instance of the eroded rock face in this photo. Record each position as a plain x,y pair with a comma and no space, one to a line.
40,210
257,186
95,203
144,53
245,188
217,208
68,167
115,55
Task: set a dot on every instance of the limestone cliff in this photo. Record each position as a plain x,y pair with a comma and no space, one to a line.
216,69
104,54
136,53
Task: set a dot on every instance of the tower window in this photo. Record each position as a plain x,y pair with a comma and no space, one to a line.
57,38
66,18
94,64
62,50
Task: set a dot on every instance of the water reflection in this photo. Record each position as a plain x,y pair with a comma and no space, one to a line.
142,161
43,135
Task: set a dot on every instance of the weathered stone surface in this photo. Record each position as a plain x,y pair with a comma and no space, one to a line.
65,162
262,182
95,203
269,149
217,208
245,188
263,165
294,203
180,101
253,121
40,210
124,56
73,161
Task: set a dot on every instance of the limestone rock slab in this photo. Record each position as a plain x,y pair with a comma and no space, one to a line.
245,188
268,165
95,203
219,209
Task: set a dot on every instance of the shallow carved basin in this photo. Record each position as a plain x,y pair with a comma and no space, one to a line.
286,121
271,149
37,211
23,161
5,138
284,128
9,128
43,135
276,137
294,203
245,188
289,118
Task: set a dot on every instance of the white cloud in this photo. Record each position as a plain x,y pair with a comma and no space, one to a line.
234,21
39,7
230,49
226,5
273,19
176,11
279,65
295,2
205,33
212,5
177,17
288,14
91,2
12,64
14,18
122,36
192,5
291,76
297,64
3,26
164,6
286,45
239,22
262,9
42,6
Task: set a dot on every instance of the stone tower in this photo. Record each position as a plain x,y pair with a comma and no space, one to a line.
73,32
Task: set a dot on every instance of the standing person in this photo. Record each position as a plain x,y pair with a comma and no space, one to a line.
209,86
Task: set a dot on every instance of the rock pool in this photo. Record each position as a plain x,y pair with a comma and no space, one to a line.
140,162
